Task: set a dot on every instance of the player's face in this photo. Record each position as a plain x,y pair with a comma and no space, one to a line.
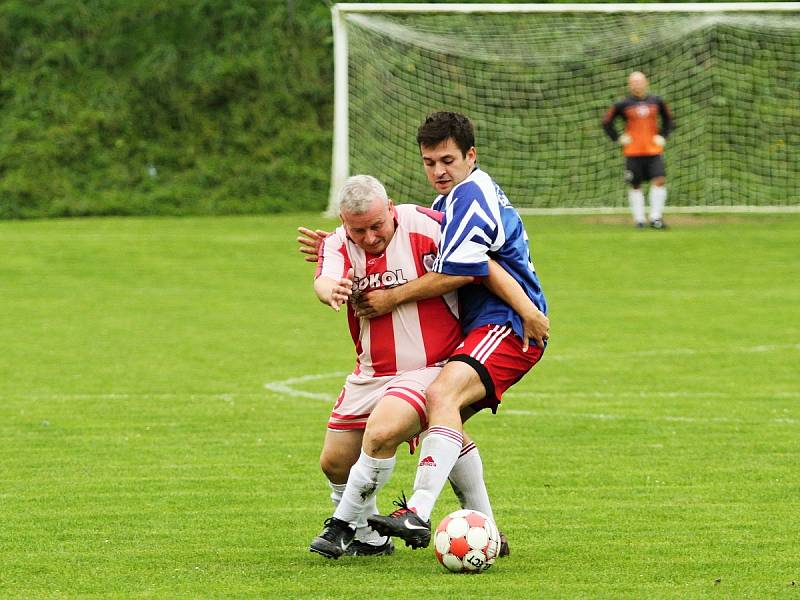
373,229
637,83
446,166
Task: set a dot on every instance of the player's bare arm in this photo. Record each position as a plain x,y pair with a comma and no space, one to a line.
430,285
505,287
310,240
334,292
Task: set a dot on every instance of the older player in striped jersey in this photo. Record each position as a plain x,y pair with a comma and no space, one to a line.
479,224
400,353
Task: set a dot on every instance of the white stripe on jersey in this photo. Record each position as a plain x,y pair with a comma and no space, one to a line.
412,324
457,246
460,247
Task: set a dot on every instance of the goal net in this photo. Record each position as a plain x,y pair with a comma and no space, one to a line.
537,81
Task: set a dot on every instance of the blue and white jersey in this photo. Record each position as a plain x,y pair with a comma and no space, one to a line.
479,223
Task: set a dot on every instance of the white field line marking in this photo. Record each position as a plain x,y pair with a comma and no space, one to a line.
127,395
639,394
286,387
643,394
676,351
607,417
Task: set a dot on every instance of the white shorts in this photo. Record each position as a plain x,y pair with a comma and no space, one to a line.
360,395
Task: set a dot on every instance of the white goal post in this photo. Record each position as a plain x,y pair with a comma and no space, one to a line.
536,80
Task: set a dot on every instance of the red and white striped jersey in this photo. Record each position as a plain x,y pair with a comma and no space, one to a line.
416,334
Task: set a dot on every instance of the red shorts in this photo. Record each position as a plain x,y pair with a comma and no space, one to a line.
495,352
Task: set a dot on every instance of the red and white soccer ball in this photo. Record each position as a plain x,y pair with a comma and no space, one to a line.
466,541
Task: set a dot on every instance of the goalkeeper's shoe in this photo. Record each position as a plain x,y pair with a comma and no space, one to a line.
335,539
658,224
403,523
359,548
504,549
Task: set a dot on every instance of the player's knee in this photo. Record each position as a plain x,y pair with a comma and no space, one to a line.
381,440
440,395
335,468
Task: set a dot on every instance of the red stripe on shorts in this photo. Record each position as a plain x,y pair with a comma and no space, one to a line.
414,398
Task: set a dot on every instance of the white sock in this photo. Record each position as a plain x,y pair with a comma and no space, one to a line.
636,200
367,476
658,198
370,508
466,478
364,533
438,454
337,489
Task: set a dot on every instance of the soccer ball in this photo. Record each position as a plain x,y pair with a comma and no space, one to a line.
466,541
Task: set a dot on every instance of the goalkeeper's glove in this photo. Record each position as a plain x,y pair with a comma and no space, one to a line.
659,140
624,139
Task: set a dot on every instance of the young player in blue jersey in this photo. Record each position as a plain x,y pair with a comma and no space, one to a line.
479,223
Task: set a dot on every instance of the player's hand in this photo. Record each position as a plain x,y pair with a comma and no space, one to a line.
624,139
309,245
537,328
659,140
342,291
375,303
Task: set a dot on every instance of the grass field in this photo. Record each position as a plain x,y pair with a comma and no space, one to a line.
165,384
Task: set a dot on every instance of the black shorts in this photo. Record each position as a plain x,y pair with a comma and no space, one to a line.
643,168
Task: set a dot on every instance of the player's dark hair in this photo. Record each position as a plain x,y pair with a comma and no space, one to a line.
439,126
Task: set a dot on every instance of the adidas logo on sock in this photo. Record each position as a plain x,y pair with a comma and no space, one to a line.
427,462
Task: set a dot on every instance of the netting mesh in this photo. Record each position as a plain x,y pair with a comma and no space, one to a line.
536,87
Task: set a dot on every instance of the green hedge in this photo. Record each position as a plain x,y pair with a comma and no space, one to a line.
164,106
112,107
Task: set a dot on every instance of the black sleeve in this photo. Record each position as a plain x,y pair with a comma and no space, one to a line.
608,122
667,122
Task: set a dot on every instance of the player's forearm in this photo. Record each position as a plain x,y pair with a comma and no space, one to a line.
608,124
323,287
666,127
429,285
667,124
505,287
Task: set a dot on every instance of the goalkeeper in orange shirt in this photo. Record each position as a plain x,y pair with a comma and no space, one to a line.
643,146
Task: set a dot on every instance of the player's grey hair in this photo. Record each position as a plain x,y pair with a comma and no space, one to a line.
359,192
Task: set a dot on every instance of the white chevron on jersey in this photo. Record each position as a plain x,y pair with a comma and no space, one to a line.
480,221
416,334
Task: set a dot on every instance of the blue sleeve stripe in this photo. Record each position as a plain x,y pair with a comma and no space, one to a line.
471,269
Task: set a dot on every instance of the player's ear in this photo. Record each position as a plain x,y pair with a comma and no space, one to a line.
472,156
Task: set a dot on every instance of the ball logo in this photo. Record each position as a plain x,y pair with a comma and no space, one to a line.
476,562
